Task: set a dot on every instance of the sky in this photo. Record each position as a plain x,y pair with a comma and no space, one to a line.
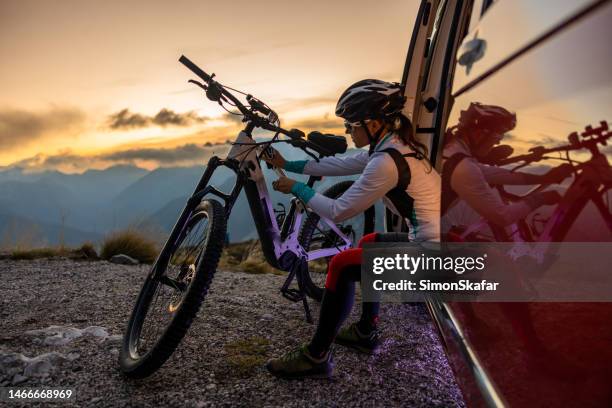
91,84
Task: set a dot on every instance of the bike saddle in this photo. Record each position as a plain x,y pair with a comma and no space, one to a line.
332,143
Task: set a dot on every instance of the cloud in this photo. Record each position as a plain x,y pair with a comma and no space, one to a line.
322,124
188,152
184,155
65,161
124,119
20,127
233,119
167,117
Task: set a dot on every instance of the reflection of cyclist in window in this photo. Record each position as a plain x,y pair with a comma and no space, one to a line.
464,176
394,169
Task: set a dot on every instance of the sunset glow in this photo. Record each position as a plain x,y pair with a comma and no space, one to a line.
82,81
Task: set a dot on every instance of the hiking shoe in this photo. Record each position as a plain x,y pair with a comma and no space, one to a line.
353,338
300,364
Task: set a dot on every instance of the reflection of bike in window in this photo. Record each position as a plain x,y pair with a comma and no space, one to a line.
592,183
181,276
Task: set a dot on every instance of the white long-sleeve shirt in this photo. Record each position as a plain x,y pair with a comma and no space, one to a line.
379,176
472,180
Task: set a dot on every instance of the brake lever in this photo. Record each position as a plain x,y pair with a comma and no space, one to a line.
214,92
302,144
201,85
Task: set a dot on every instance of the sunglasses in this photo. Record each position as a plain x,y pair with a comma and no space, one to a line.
349,126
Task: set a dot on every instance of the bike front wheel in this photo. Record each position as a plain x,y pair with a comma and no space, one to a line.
174,291
318,235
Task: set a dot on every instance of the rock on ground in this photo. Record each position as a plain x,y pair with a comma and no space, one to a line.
61,321
123,259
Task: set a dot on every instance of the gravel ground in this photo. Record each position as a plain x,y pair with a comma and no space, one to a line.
243,322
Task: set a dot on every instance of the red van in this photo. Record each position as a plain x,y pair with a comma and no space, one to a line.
549,63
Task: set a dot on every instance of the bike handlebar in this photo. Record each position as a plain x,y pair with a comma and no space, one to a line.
217,92
596,136
212,84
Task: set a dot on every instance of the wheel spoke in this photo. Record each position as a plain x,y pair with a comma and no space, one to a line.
172,286
174,290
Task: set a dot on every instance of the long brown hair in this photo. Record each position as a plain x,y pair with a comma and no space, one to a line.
406,135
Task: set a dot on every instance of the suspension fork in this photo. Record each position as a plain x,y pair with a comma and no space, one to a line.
201,189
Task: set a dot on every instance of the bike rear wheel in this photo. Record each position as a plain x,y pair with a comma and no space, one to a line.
317,235
173,292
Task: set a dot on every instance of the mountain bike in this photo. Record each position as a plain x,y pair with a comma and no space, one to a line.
181,275
591,182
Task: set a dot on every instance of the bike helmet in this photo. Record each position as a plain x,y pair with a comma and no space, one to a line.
494,119
370,99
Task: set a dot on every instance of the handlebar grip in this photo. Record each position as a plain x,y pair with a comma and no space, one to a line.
296,134
194,68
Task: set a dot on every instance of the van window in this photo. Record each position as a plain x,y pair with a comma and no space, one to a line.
432,40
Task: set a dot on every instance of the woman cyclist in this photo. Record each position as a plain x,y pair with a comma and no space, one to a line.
395,169
465,177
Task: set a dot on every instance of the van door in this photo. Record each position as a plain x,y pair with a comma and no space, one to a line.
429,68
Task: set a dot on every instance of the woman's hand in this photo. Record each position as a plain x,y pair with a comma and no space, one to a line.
283,184
277,159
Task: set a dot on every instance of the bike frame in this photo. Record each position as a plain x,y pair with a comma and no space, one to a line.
280,244
594,179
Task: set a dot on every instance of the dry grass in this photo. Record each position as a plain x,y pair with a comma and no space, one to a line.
246,257
244,356
132,243
234,254
84,252
257,268
19,236
88,250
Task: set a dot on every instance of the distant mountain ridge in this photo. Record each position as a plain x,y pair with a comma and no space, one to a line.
89,205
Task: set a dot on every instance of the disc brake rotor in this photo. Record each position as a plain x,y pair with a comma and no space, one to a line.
186,275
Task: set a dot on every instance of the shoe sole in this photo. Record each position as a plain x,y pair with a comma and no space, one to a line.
326,375
361,349
303,377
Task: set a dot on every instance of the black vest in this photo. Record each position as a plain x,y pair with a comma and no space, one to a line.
401,200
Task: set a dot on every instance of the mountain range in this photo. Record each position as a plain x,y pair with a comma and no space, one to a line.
51,207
